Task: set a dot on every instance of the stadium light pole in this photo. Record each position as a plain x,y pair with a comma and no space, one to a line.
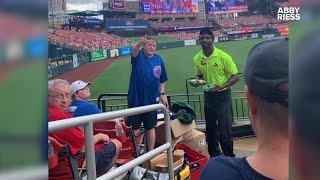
52,15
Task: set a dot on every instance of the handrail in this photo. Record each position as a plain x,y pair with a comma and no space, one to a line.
137,161
109,94
87,122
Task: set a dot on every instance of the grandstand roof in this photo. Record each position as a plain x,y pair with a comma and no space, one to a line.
85,13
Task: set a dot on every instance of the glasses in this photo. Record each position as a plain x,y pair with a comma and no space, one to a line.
61,96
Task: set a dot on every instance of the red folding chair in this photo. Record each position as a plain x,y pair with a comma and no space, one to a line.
66,167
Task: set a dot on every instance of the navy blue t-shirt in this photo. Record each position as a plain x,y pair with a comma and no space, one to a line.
229,168
84,108
146,76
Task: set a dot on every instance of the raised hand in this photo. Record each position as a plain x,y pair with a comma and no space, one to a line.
143,40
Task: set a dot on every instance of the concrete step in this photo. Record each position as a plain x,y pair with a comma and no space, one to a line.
240,128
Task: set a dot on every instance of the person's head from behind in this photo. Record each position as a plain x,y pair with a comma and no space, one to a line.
59,94
304,109
266,78
80,90
206,38
149,47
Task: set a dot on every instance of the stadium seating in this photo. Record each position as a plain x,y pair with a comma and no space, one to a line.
182,35
67,167
283,4
177,23
130,148
249,22
85,41
185,35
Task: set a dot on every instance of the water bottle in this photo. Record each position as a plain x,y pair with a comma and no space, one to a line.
50,149
119,132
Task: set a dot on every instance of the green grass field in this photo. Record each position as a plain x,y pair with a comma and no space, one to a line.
23,115
179,66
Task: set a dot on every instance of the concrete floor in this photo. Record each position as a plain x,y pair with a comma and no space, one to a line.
242,146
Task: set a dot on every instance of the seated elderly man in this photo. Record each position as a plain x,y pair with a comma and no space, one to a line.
106,151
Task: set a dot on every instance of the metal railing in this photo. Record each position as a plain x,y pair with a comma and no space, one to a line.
117,101
87,122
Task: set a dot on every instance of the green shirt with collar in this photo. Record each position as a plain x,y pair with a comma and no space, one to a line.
215,69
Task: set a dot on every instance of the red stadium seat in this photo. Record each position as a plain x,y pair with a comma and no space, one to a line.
67,167
130,148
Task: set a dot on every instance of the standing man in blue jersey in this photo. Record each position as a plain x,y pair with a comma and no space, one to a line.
147,85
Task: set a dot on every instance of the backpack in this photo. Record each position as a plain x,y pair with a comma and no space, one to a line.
183,111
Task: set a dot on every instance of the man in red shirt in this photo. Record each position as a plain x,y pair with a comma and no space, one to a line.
106,151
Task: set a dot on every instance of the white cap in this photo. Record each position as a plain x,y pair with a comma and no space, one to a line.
77,85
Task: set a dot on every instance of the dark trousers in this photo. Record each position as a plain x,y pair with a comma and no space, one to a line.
217,109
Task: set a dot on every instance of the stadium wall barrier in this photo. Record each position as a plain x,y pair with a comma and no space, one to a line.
170,45
61,65
190,42
114,53
56,51
60,69
98,55
125,51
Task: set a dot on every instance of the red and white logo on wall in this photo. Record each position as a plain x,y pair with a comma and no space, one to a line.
118,4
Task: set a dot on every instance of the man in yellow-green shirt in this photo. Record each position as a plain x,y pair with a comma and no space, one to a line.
216,68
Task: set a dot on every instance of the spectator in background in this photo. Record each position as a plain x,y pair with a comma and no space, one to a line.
266,78
147,85
80,93
305,109
106,151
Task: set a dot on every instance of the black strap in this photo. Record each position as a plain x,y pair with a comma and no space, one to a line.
178,176
147,175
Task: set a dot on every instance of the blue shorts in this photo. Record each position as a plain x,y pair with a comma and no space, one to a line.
104,156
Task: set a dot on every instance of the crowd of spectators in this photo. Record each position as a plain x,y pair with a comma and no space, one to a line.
181,35
177,23
122,17
185,35
86,41
249,22
283,4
